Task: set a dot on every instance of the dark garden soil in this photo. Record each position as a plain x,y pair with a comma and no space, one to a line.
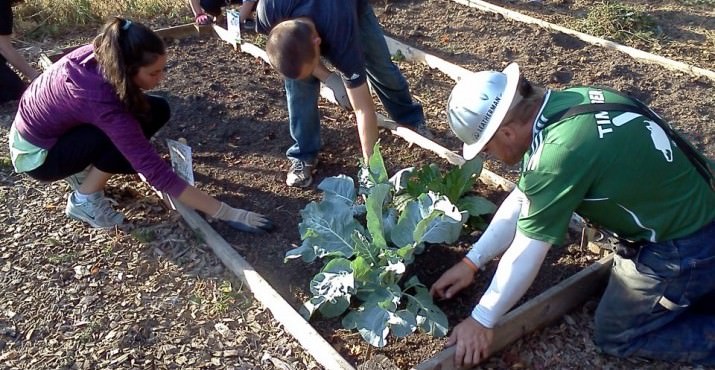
231,109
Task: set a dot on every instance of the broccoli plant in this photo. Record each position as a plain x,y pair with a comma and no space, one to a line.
366,247
456,185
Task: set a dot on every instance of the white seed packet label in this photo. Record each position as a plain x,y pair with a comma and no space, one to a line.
181,160
234,24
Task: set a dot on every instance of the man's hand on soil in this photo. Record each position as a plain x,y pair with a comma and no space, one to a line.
335,83
472,341
452,281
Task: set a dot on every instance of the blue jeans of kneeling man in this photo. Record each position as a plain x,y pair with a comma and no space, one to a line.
660,304
385,78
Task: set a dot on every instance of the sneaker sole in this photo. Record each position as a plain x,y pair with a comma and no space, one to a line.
90,222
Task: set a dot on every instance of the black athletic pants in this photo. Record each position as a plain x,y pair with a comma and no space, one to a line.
87,145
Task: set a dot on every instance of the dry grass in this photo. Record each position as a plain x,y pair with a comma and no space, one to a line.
37,19
618,22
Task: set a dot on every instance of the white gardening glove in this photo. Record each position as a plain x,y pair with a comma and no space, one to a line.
400,179
243,220
335,83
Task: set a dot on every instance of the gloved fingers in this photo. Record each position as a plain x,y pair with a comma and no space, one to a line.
243,220
254,223
262,222
259,227
240,226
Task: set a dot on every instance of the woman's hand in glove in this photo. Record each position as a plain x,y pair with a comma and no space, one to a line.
240,219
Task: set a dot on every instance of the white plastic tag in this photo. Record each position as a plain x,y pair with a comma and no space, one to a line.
181,160
234,24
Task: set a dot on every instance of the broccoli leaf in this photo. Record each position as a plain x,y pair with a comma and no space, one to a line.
333,287
476,206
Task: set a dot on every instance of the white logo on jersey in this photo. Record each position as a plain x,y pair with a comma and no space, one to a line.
660,140
657,135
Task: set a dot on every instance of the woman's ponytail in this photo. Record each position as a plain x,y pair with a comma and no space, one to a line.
122,47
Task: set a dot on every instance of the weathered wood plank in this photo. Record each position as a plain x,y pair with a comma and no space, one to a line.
412,54
178,32
415,138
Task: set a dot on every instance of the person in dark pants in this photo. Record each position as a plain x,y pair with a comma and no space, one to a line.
87,118
613,161
348,35
11,85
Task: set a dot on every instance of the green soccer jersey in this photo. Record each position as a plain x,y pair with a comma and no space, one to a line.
618,170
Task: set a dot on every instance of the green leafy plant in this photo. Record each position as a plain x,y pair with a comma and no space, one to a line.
365,260
456,185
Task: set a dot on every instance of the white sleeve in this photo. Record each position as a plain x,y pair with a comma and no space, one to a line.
500,232
515,273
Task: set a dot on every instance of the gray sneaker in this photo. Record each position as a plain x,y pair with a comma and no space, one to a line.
97,211
76,180
301,173
422,129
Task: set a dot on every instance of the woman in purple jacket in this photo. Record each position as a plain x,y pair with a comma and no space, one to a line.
89,111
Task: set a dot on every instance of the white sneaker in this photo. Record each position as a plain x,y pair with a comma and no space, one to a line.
96,211
301,173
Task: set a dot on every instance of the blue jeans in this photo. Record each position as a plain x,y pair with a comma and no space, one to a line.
384,76
659,304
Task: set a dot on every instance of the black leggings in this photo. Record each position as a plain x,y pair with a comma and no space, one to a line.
87,145
11,86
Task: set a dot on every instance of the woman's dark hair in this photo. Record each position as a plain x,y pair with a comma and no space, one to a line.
15,2
122,47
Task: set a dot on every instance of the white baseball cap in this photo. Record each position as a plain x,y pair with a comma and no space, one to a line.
478,104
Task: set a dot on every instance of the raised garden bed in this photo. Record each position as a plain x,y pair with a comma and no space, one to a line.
430,265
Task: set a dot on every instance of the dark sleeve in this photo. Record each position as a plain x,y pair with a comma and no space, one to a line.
5,18
341,43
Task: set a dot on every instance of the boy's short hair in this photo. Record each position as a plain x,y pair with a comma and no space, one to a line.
290,47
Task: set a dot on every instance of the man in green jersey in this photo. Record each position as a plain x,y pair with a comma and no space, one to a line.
620,170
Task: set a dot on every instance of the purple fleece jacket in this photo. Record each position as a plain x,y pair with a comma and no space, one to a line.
73,92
